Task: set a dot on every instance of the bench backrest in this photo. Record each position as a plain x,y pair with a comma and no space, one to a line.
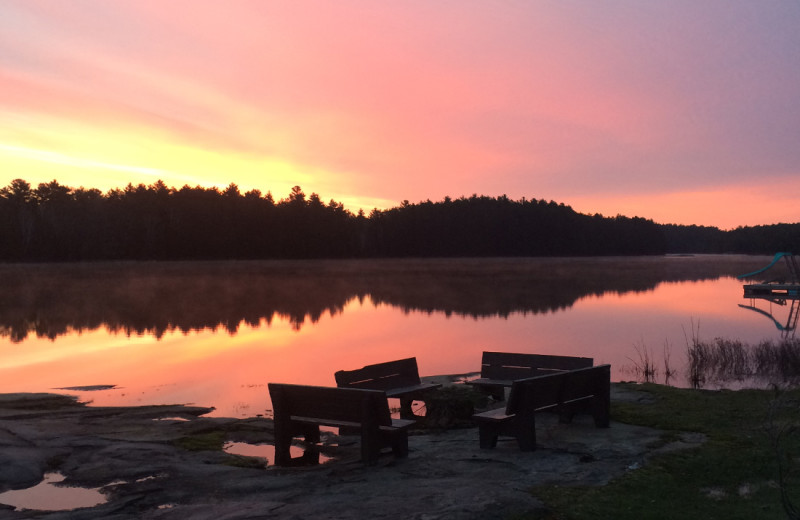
585,382
381,376
558,387
534,393
511,366
330,403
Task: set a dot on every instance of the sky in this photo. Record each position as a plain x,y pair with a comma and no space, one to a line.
678,111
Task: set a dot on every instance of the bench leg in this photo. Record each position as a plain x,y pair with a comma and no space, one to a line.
370,446
522,428
405,408
525,432
311,433
487,436
310,456
373,441
283,443
399,442
601,402
601,411
284,434
283,456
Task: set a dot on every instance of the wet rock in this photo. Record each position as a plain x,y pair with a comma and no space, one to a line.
153,466
20,468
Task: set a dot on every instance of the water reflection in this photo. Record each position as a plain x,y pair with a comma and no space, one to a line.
724,361
771,361
267,452
48,495
783,312
155,298
214,334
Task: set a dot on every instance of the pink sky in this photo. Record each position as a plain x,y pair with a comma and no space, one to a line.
682,111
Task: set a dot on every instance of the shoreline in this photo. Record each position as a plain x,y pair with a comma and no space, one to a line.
142,459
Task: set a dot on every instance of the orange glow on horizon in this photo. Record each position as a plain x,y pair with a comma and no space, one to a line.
600,108
719,207
177,166
120,164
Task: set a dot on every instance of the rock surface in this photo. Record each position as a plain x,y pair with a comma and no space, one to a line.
138,457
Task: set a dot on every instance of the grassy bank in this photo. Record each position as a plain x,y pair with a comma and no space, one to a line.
734,475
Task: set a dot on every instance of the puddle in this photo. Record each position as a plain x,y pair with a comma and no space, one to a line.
47,496
265,451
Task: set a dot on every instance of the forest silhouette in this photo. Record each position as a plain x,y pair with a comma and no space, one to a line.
57,223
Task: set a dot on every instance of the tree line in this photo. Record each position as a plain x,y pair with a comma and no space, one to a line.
53,222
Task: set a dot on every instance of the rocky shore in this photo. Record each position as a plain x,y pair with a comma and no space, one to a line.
162,462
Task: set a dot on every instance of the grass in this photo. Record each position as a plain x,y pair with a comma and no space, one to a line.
733,475
722,361
214,440
206,441
644,366
725,359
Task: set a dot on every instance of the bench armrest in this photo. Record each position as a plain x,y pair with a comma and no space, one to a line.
496,415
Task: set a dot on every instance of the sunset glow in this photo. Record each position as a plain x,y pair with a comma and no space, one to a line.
682,112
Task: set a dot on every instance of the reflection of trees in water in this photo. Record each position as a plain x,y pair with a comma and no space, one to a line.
141,298
153,298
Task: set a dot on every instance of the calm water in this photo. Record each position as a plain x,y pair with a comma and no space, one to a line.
163,334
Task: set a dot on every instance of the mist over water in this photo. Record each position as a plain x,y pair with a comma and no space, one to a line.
214,334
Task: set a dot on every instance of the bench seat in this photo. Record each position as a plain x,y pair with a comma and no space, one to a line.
563,391
299,410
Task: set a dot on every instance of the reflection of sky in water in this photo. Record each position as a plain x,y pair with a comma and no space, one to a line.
47,496
265,451
231,372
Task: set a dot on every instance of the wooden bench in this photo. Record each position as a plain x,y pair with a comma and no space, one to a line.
558,390
301,410
500,369
399,379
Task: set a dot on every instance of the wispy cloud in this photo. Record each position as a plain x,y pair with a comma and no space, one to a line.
67,160
641,103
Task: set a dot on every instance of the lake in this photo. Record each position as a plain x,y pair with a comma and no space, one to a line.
215,333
